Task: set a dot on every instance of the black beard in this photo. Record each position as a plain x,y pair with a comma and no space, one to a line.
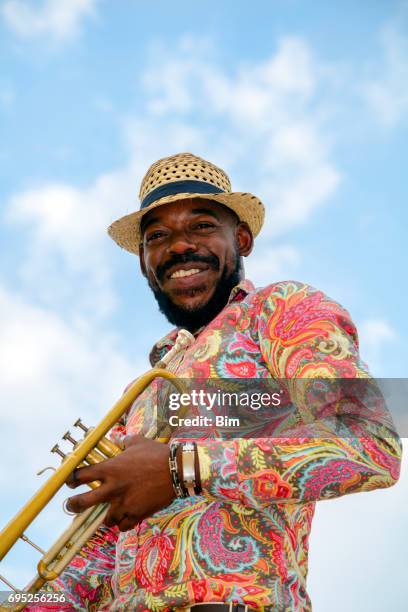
193,319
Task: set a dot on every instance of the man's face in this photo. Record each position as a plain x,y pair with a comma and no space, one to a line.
190,255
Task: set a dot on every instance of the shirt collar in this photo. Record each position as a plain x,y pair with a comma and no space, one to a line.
238,293
241,290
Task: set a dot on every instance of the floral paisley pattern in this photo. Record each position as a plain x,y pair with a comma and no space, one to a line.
246,538
151,566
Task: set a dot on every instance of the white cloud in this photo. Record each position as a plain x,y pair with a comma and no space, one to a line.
264,120
387,89
271,264
67,241
58,18
296,194
183,80
374,334
51,372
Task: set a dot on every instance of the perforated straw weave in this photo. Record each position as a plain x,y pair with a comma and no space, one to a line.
177,178
183,166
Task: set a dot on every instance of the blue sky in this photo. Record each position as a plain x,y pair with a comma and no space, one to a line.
304,104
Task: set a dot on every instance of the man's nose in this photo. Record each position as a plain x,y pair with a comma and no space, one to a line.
180,242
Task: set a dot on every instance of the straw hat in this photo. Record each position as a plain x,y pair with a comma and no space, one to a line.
179,177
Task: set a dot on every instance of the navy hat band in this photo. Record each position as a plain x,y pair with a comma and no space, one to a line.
179,187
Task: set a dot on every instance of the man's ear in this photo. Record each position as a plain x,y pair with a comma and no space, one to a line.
142,260
244,238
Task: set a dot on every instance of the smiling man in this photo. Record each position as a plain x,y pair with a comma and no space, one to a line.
224,525
191,256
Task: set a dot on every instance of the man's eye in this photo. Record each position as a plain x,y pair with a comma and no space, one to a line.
154,236
204,225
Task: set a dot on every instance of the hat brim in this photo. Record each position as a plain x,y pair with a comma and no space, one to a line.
249,209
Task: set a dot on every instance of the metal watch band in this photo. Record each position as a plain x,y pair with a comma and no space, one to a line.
178,489
188,463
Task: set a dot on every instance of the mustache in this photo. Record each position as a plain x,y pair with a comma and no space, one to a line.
211,260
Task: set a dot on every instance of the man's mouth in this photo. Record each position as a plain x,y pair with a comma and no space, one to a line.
182,273
184,266
186,270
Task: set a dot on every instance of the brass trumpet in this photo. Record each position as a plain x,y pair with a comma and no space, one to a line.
94,447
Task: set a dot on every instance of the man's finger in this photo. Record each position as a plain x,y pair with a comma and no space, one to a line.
115,514
84,475
72,480
78,503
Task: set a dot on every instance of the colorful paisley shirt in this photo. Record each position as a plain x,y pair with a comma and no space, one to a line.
245,539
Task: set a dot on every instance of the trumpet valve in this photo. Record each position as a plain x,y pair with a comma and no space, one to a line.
108,448
94,456
79,423
67,436
56,449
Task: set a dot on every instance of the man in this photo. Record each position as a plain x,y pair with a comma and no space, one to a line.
234,536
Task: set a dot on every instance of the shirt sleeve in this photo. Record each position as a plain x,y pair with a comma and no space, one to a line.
348,446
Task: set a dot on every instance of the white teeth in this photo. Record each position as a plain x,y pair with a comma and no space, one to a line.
181,273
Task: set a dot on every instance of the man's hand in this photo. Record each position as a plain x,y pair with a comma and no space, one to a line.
137,483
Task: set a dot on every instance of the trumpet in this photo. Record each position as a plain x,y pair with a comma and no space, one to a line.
93,448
